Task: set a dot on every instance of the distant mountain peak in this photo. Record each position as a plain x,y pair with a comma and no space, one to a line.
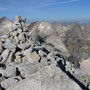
76,25
4,19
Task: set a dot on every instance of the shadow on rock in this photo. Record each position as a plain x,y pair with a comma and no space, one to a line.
62,67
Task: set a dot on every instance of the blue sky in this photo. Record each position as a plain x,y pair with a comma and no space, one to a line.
50,10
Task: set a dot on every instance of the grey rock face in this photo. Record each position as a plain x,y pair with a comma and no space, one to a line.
5,55
48,78
16,39
33,57
37,47
18,53
19,30
9,82
42,53
1,58
78,72
51,56
28,69
4,36
10,46
22,37
25,52
69,67
15,33
10,71
23,46
1,47
18,59
10,58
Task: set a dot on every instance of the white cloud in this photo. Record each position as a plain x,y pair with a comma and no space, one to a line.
3,9
62,2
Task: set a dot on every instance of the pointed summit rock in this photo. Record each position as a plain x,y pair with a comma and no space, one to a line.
75,25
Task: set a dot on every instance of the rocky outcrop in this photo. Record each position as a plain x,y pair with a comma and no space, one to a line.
26,63
33,57
46,32
74,42
42,31
47,78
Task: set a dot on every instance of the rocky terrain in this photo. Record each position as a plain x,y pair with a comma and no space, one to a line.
42,56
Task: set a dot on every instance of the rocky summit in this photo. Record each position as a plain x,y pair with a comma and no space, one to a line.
35,57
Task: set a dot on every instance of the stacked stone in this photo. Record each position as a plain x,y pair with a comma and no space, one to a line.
17,49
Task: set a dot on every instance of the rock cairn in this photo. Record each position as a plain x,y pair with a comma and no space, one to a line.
21,56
